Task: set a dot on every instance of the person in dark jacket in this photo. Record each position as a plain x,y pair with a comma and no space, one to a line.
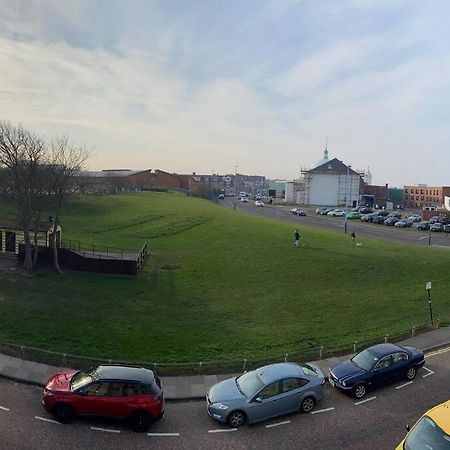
296,237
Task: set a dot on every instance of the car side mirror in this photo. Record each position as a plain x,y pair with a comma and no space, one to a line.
407,427
258,400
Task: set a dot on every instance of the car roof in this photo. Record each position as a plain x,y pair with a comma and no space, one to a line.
381,350
274,372
126,373
441,415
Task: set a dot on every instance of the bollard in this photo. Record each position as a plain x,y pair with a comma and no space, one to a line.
244,364
321,352
21,350
413,331
286,357
354,346
64,359
200,367
386,338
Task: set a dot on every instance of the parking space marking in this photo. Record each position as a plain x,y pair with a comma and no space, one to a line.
322,410
364,401
271,425
3,408
438,352
430,372
106,430
403,385
46,420
162,434
222,430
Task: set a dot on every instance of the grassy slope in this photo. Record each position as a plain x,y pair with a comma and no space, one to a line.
241,288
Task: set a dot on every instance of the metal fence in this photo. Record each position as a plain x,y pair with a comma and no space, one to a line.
303,353
96,250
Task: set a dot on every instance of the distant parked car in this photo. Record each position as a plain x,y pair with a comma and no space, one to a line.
259,203
125,392
336,213
424,225
415,217
376,366
221,197
378,219
298,212
434,219
437,226
353,215
368,217
403,223
391,221
443,220
266,392
319,210
244,199
325,211
365,210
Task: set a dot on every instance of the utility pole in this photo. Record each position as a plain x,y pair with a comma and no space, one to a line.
235,187
430,306
346,198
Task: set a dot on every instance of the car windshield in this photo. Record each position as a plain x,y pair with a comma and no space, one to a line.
81,379
308,370
427,434
249,383
365,360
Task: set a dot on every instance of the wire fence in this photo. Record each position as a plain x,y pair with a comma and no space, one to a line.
303,353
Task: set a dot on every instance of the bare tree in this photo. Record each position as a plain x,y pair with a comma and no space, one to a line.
21,154
66,161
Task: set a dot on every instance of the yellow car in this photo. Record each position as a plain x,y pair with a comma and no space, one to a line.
431,431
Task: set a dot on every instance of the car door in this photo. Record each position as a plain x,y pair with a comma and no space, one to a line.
384,371
93,399
400,363
266,403
291,394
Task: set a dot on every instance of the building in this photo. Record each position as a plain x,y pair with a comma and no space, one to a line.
331,183
380,194
422,195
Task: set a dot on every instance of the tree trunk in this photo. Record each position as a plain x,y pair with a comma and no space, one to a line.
28,262
54,243
36,250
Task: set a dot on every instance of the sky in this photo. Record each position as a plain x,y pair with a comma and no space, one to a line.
204,86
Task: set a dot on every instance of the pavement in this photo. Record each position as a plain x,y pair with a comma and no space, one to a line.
196,386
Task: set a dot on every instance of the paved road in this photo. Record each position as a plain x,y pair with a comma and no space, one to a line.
337,423
403,235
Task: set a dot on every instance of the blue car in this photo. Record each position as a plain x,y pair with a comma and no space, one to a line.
376,366
266,392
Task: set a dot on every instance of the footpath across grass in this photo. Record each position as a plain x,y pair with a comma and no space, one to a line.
218,285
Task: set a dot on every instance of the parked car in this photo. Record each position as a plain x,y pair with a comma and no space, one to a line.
443,220
320,210
368,217
404,223
379,219
126,392
376,366
221,197
424,225
325,211
415,217
391,221
437,226
431,431
336,213
266,392
354,215
365,210
259,203
298,212
434,219
244,199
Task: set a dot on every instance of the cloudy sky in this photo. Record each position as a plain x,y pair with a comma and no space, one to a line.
204,85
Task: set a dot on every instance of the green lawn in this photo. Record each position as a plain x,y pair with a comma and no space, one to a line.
219,284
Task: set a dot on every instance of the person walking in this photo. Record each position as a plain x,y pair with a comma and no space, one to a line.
353,235
296,237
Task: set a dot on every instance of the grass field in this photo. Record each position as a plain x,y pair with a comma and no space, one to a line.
219,284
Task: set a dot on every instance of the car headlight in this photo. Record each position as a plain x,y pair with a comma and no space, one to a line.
219,406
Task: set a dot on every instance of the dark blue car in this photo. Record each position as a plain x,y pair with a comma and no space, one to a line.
376,366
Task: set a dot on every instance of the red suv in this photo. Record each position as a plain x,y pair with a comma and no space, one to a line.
124,392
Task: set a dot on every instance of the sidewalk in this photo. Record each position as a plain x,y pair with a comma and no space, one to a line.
196,386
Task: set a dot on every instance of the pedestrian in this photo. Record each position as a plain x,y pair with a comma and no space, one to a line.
353,235
296,237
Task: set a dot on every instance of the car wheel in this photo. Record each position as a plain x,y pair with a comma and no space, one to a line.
359,391
140,421
411,373
63,413
236,419
307,404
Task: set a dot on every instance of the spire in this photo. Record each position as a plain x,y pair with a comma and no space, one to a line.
325,152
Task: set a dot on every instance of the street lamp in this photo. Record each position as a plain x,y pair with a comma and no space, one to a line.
346,198
428,288
235,187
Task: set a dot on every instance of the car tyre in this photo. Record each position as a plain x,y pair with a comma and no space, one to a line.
63,413
359,391
307,404
140,421
411,373
236,419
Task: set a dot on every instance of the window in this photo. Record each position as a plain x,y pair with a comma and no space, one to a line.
406,191
417,191
384,363
289,384
115,389
100,389
421,191
270,391
398,357
134,389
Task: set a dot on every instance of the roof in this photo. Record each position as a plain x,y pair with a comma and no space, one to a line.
127,373
334,166
381,350
441,415
108,173
10,224
274,372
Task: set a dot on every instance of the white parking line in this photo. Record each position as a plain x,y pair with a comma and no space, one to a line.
430,372
403,385
364,401
106,430
438,352
278,424
46,420
322,410
163,434
3,408
222,430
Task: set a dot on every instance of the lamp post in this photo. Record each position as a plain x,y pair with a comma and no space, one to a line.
428,288
346,198
235,187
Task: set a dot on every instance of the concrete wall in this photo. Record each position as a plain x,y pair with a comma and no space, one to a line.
323,190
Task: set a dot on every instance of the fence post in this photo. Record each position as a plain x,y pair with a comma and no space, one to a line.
321,352
386,337
244,364
200,367
413,331
21,351
354,346
286,357
109,361
64,359
154,367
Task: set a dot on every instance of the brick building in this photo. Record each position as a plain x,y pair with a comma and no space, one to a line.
421,195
